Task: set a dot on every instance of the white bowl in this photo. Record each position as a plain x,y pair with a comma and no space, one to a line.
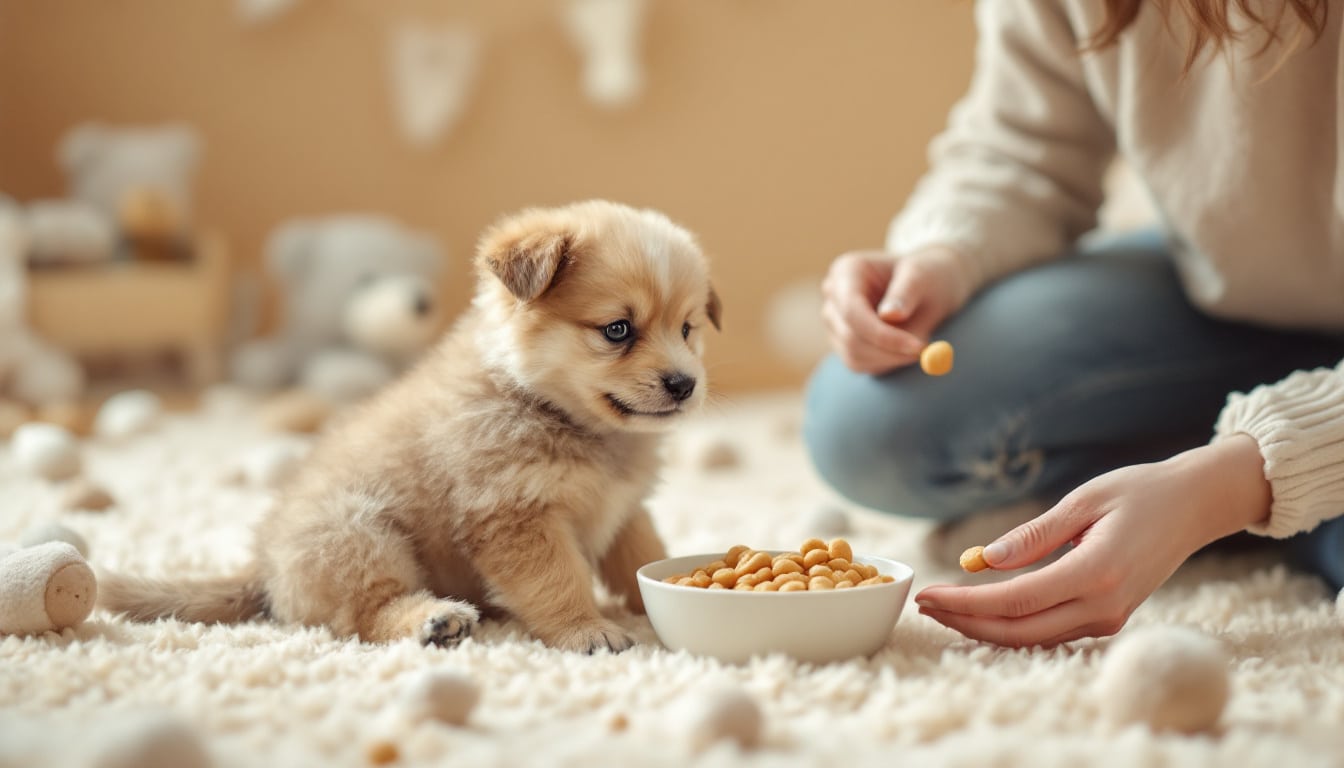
735,625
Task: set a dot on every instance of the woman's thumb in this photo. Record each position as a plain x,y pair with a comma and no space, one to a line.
899,300
1034,539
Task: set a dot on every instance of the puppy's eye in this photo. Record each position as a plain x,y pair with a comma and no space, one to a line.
685,330
618,331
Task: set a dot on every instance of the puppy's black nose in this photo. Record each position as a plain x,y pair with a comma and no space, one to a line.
422,305
679,385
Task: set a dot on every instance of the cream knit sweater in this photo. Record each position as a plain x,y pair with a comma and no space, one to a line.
1245,164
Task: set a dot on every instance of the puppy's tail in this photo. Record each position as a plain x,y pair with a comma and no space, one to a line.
223,600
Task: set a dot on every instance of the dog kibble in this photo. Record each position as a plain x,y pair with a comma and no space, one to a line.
816,557
816,565
840,549
936,359
973,560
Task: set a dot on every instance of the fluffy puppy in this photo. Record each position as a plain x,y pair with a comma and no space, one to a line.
507,468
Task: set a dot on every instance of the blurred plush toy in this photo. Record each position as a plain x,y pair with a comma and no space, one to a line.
45,587
138,177
359,302
31,371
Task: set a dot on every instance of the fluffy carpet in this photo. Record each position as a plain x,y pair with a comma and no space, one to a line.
260,694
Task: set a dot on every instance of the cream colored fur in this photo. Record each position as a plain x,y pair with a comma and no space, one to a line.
503,472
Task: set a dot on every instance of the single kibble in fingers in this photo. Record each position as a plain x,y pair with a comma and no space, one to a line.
936,359
973,559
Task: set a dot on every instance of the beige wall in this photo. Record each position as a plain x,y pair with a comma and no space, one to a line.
781,131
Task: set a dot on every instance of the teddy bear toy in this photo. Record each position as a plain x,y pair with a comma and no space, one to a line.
45,587
139,178
358,304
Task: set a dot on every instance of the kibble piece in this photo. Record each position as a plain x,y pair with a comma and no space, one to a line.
766,586
865,570
973,560
839,564
820,570
685,581
786,566
820,582
755,563
382,752
725,576
886,579
793,586
866,582
844,584
701,579
810,545
839,548
716,585
785,578
672,579
936,359
815,557
734,554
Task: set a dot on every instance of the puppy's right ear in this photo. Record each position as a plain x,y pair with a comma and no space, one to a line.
527,253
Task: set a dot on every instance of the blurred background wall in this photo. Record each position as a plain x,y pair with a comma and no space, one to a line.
781,131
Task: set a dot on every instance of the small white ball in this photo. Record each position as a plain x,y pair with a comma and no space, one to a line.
445,696
827,520
723,714
41,534
127,413
270,465
1170,678
150,741
46,450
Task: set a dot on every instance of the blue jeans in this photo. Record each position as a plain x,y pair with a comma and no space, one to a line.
1063,372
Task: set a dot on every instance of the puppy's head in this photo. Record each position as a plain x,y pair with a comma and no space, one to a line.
599,308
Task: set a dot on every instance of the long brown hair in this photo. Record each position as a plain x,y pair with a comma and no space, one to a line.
1211,21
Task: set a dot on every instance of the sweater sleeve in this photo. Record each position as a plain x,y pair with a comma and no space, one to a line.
1299,425
1017,175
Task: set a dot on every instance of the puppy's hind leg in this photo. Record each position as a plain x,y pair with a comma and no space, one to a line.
357,575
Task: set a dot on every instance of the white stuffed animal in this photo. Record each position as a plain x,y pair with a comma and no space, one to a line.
43,588
31,370
359,303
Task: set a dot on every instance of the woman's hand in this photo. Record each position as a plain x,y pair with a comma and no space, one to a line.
1131,528
880,310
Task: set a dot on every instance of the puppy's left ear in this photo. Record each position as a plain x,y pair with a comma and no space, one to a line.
714,308
527,253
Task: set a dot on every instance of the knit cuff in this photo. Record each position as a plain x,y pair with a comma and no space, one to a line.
1299,426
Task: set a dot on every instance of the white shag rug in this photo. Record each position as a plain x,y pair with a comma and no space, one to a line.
261,694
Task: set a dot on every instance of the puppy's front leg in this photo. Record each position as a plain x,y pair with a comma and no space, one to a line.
636,544
537,572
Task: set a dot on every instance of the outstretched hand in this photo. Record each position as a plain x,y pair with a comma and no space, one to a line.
1130,530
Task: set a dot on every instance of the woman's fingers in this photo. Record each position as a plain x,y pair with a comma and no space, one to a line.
1030,593
1067,621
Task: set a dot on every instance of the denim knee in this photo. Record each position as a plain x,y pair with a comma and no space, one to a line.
874,446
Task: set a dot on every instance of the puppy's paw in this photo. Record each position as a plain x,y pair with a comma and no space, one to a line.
594,637
450,624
